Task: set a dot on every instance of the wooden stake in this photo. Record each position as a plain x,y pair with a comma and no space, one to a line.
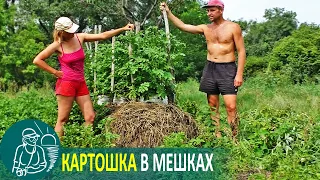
112,65
170,92
97,29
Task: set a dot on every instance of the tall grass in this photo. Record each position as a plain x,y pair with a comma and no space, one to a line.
257,94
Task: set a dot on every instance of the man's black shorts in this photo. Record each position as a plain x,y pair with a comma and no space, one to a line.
218,78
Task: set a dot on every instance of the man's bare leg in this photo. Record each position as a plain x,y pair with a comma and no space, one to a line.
233,119
213,101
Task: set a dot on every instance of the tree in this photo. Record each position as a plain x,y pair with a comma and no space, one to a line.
85,13
261,37
139,11
19,44
6,20
244,25
22,48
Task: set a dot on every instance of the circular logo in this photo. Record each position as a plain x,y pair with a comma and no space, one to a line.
30,149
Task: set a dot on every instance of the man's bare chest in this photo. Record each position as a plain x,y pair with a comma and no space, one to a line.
218,35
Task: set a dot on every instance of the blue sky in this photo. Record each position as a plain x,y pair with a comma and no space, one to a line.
307,10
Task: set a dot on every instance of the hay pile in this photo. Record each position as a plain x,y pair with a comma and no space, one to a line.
146,124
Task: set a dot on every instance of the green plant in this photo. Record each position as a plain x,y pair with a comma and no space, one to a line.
175,140
85,137
145,73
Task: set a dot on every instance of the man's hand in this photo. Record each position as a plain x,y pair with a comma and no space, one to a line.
128,27
58,74
238,80
163,6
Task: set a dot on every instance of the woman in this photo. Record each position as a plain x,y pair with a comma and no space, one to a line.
71,83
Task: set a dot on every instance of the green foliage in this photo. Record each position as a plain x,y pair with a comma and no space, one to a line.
244,25
41,104
261,37
86,137
269,79
6,19
23,46
255,65
175,140
196,50
140,10
146,73
110,14
271,138
276,90
85,13
298,55
279,128
273,131
20,40
31,104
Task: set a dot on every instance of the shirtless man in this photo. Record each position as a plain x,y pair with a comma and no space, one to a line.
220,74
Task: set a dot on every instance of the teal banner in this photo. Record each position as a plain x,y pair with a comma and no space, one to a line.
30,150
132,163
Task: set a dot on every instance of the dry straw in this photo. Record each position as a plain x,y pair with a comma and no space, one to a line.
146,124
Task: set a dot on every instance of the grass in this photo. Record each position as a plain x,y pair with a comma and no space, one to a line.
299,98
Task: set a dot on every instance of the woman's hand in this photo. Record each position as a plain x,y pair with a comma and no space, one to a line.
58,74
128,27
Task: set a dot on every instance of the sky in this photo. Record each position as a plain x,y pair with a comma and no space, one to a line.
307,10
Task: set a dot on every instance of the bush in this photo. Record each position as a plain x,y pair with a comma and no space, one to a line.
298,55
255,65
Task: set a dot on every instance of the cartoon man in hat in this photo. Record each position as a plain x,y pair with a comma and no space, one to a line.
29,157
220,75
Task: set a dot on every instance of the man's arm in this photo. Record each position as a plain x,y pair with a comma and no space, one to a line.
239,42
181,25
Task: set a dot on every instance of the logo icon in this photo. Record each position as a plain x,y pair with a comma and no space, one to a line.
30,149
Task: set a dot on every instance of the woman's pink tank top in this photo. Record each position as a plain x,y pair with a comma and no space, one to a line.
72,64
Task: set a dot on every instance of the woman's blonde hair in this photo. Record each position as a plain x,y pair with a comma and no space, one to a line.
57,36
